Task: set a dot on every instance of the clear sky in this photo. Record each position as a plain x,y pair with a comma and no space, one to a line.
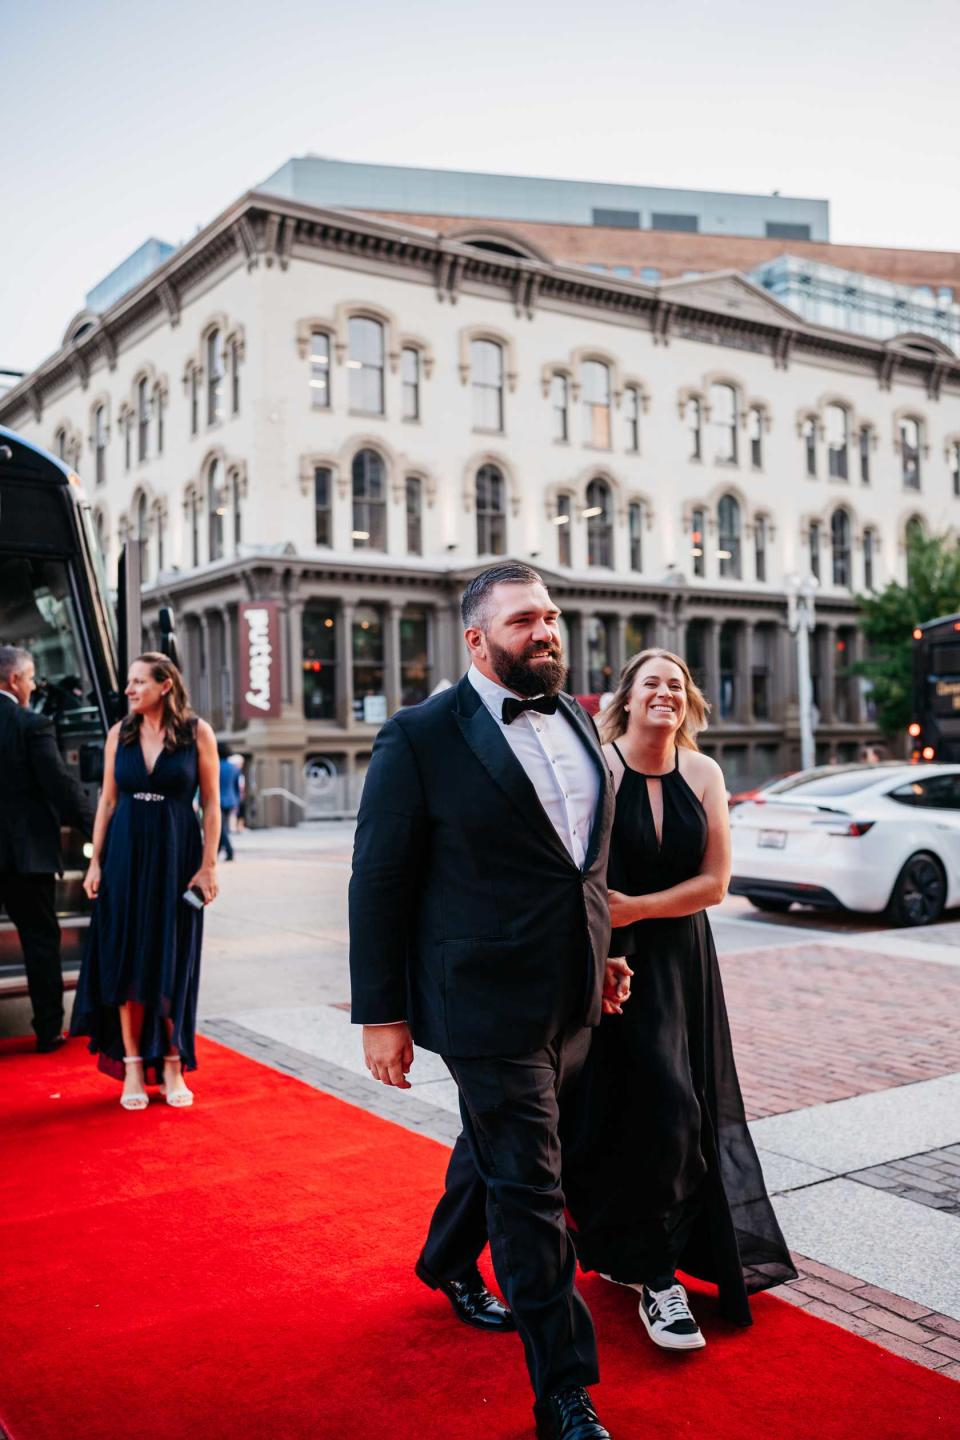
121,121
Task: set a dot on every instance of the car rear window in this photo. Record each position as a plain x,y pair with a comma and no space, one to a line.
838,784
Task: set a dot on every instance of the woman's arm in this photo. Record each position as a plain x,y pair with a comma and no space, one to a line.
105,808
707,887
208,766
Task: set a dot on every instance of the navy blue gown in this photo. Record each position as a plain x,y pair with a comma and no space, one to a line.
144,939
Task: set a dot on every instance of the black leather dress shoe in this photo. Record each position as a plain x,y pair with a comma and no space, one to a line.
471,1300
568,1415
50,1043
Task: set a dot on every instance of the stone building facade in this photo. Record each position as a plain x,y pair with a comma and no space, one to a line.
337,420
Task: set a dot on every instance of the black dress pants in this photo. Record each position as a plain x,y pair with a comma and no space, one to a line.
503,1182
30,902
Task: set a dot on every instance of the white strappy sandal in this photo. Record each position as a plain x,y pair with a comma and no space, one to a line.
134,1102
178,1098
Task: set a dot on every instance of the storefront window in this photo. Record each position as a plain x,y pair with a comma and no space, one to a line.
414,657
599,670
319,635
369,696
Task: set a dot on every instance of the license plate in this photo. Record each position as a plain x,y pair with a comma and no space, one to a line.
772,839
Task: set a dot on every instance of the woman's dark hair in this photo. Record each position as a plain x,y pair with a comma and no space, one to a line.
179,721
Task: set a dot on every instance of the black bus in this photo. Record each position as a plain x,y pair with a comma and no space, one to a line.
54,602
935,727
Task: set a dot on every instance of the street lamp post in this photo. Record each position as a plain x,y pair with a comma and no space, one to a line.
800,622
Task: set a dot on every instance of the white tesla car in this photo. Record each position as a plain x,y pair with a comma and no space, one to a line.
861,837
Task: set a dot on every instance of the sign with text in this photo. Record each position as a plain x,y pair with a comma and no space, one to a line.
260,674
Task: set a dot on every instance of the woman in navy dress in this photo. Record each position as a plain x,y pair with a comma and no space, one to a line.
137,993
663,1174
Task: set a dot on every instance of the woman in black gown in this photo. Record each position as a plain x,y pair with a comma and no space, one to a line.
663,1172
137,992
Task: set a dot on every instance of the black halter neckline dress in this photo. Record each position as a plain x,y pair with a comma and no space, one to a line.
663,1174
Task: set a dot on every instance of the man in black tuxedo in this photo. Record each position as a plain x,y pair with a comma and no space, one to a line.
479,929
37,795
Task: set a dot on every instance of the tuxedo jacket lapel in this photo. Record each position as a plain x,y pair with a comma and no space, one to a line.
486,740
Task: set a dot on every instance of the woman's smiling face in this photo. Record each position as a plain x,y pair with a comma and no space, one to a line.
658,696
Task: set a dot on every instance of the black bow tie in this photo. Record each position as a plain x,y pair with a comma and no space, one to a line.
546,704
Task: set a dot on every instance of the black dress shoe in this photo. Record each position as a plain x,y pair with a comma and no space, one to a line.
568,1415
51,1043
471,1300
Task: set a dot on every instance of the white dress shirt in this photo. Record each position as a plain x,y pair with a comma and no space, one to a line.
556,763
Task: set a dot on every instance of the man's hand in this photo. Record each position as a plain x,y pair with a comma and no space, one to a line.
388,1053
616,986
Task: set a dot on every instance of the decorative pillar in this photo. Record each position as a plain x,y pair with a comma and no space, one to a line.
828,673
712,663
204,666
229,668
391,656
345,663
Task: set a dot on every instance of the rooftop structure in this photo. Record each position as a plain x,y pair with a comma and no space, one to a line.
129,273
316,180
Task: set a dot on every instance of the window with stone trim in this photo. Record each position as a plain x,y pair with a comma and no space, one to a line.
365,365
910,440
836,422
142,537
413,495
840,546
560,407
728,537
100,444
234,377
635,521
955,468
595,391
369,479
723,423
322,505
761,536
216,377
631,415
486,382
598,513
864,442
564,521
319,370
808,432
143,419
755,436
698,527
814,548
159,411
410,380
693,423
869,558
491,510
216,510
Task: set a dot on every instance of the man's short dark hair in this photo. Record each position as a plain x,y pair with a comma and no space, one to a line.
13,659
475,600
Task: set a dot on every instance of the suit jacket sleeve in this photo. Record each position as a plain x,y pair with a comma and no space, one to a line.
53,778
387,866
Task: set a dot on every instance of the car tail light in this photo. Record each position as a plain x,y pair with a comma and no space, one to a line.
842,826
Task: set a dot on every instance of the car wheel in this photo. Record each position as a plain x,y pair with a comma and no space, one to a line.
920,892
775,907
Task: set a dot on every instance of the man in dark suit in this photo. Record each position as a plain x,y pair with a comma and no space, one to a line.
37,795
479,929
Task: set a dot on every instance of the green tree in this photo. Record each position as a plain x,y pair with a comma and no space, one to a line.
888,618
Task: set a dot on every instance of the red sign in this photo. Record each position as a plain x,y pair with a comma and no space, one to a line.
259,644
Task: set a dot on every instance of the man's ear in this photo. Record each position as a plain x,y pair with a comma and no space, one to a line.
474,638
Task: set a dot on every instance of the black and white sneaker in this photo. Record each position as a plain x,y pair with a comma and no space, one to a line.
668,1319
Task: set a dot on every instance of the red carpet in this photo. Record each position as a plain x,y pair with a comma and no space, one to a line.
243,1271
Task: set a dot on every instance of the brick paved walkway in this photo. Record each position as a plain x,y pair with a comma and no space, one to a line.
932,1179
817,1022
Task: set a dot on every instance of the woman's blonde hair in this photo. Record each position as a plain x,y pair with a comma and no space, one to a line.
612,720
178,718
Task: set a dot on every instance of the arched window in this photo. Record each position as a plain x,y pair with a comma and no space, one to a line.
369,501
808,432
635,528
194,384
563,521
215,377
761,537
491,511
486,381
728,537
414,498
410,376
142,536
365,364
143,419
698,525
837,425
320,370
598,514
755,436
815,529
100,443
216,509
159,408
631,408
322,499
910,452
234,377
192,507
840,544
723,424
560,407
914,534
864,438
693,421
595,380
235,497
869,558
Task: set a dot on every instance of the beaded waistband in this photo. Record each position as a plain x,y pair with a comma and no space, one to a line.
147,795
